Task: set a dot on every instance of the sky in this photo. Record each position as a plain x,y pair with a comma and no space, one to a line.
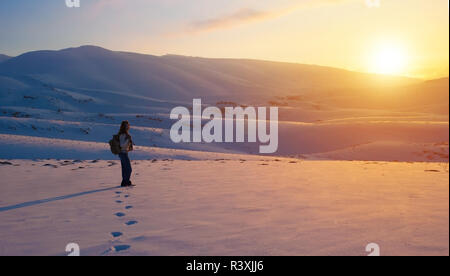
399,37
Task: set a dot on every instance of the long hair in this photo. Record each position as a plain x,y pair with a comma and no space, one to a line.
124,128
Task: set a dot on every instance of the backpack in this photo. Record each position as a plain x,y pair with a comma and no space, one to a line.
114,144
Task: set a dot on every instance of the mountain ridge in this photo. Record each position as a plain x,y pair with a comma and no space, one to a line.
180,77
99,49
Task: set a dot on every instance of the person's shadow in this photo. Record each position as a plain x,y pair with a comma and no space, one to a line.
42,201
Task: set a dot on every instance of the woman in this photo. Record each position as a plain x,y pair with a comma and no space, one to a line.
126,145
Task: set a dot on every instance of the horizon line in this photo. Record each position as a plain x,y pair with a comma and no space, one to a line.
235,58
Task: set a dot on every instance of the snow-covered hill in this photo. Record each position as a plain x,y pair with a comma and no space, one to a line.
177,77
82,94
60,182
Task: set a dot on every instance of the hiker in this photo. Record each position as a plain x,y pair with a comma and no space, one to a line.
126,145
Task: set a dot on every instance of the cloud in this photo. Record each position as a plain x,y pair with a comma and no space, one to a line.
240,17
248,15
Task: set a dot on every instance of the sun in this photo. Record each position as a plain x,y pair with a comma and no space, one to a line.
388,59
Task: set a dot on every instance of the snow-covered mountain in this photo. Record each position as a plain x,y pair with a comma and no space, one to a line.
177,77
82,94
217,199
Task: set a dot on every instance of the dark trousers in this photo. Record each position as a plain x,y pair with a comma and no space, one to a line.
126,167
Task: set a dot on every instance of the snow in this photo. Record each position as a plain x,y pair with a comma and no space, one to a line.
385,150
83,94
316,196
224,207
26,147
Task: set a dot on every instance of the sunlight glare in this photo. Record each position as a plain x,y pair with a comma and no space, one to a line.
388,60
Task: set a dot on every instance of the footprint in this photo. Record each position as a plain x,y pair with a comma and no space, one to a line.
119,248
131,222
120,214
128,207
66,163
116,234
